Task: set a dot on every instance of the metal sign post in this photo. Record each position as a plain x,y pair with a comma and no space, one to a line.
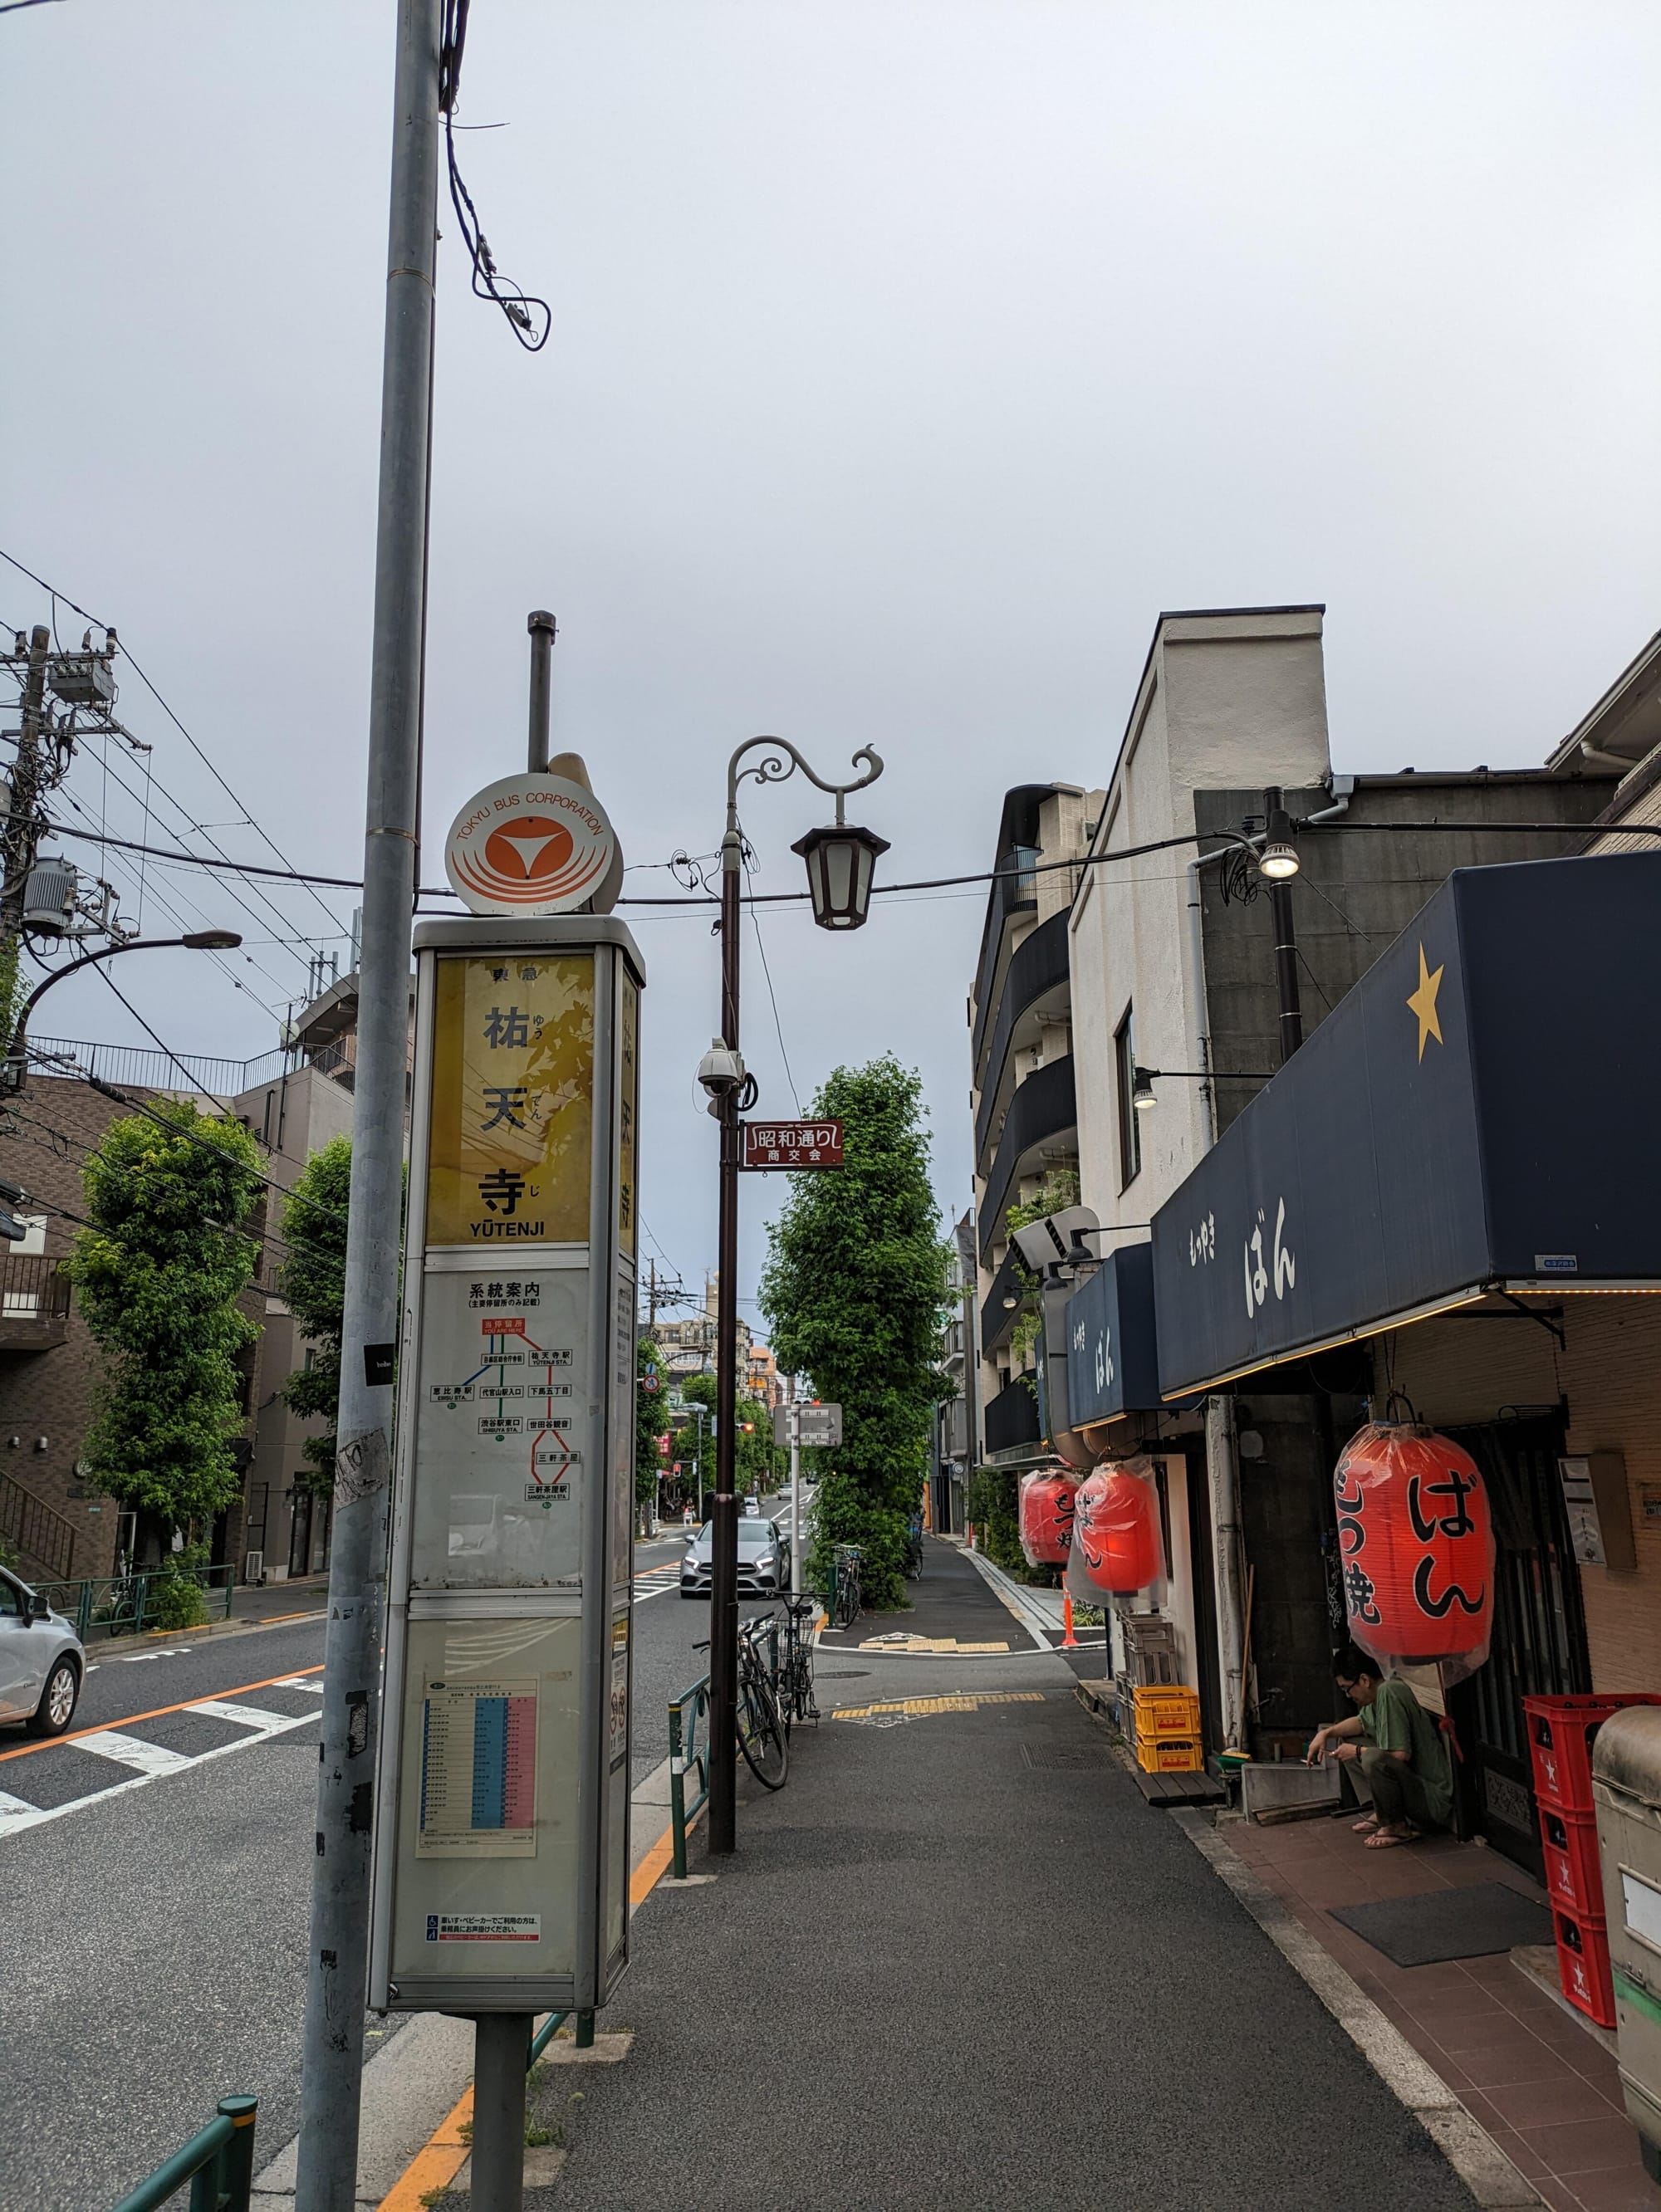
502,1845
797,1424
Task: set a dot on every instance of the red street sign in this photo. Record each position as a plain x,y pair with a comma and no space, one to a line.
791,1145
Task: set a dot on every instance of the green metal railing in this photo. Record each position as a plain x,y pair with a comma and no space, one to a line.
122,1605
218,2164
688,1754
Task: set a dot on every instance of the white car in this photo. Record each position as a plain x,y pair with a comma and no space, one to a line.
42,1664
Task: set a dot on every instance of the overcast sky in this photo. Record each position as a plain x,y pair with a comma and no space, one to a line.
907,359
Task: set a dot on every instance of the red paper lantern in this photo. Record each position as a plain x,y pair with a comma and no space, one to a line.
1116,1532
1046,1518
1417,1543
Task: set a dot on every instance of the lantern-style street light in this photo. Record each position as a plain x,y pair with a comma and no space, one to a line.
841,862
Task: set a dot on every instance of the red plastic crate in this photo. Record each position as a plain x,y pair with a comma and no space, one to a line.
1583,1966
1574,1875
1561,1732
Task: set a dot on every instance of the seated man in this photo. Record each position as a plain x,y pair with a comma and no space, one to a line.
1393,1751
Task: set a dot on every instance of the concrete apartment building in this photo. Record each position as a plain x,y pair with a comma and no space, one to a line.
1022,1089
1172,973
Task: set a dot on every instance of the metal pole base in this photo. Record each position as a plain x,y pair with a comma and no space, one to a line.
501,2054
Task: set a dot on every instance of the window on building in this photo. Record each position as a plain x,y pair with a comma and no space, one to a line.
1130,1134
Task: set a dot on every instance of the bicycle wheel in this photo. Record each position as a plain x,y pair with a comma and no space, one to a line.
848,1597
762,1739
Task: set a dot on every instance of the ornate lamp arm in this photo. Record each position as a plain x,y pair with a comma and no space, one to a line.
775,770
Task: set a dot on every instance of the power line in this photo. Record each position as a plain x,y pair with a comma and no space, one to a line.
761,946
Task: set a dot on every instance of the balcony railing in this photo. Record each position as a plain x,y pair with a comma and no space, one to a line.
1042,1109
1014,890
1011,1419
34,1288
1037,967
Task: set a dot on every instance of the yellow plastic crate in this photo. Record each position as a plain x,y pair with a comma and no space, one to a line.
1166,1756
1167,1711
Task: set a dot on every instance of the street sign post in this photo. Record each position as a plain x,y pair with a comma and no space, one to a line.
802,1421
770,1144
501,1841
805,1421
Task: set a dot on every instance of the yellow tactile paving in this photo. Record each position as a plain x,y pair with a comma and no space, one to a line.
919,1708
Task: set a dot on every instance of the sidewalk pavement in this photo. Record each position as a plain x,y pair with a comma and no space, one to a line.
300,1593
957,1961
1537,2074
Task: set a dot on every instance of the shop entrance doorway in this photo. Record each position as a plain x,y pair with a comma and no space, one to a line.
1539,1630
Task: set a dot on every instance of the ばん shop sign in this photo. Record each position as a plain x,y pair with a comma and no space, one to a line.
528,845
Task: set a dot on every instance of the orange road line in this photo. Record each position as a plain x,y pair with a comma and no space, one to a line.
130,1720
439,2160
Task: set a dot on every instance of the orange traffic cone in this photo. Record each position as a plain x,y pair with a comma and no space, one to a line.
1069,1641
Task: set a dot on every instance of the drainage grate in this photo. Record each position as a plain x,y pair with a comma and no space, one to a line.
841,1673
1058,1757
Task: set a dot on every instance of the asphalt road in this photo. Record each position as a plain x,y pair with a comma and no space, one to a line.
667,1630
152,1943
152,1929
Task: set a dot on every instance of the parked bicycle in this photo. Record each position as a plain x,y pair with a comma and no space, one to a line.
764,1734
763,1737
845,1606
796,1699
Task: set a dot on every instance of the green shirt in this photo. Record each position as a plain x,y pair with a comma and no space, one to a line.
1395,1721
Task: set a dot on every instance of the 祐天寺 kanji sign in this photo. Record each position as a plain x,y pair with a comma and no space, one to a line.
513,1090
791,1145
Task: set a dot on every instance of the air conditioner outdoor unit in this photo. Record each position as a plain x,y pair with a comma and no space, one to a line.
253,1567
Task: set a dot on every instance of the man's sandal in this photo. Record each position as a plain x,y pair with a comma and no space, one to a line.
1365,1826
1386,1840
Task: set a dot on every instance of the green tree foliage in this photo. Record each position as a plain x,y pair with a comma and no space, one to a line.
158,1273
854,1296
651,1420
312,1280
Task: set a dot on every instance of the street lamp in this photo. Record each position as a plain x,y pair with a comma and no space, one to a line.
1278,860
1141,1088
197,940
841,862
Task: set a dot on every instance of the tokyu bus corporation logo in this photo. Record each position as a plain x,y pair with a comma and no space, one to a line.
530,844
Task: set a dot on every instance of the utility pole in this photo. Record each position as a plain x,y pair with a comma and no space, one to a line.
337,1965
1291,1025
23,821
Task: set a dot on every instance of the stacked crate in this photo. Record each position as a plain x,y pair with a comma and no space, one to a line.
1561,1732
1165,1728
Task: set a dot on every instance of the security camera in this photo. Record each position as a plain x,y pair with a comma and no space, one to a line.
721,1069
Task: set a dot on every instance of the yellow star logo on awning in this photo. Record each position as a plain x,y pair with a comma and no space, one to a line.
1423,1002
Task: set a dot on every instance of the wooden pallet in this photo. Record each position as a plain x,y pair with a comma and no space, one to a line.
1179,1788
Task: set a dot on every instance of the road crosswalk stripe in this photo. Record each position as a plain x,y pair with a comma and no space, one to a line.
250,1716
133,1751
153,1760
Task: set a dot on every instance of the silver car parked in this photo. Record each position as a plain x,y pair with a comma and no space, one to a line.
41,1661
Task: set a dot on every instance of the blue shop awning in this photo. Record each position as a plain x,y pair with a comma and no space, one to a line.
1111,1367
1478,1113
